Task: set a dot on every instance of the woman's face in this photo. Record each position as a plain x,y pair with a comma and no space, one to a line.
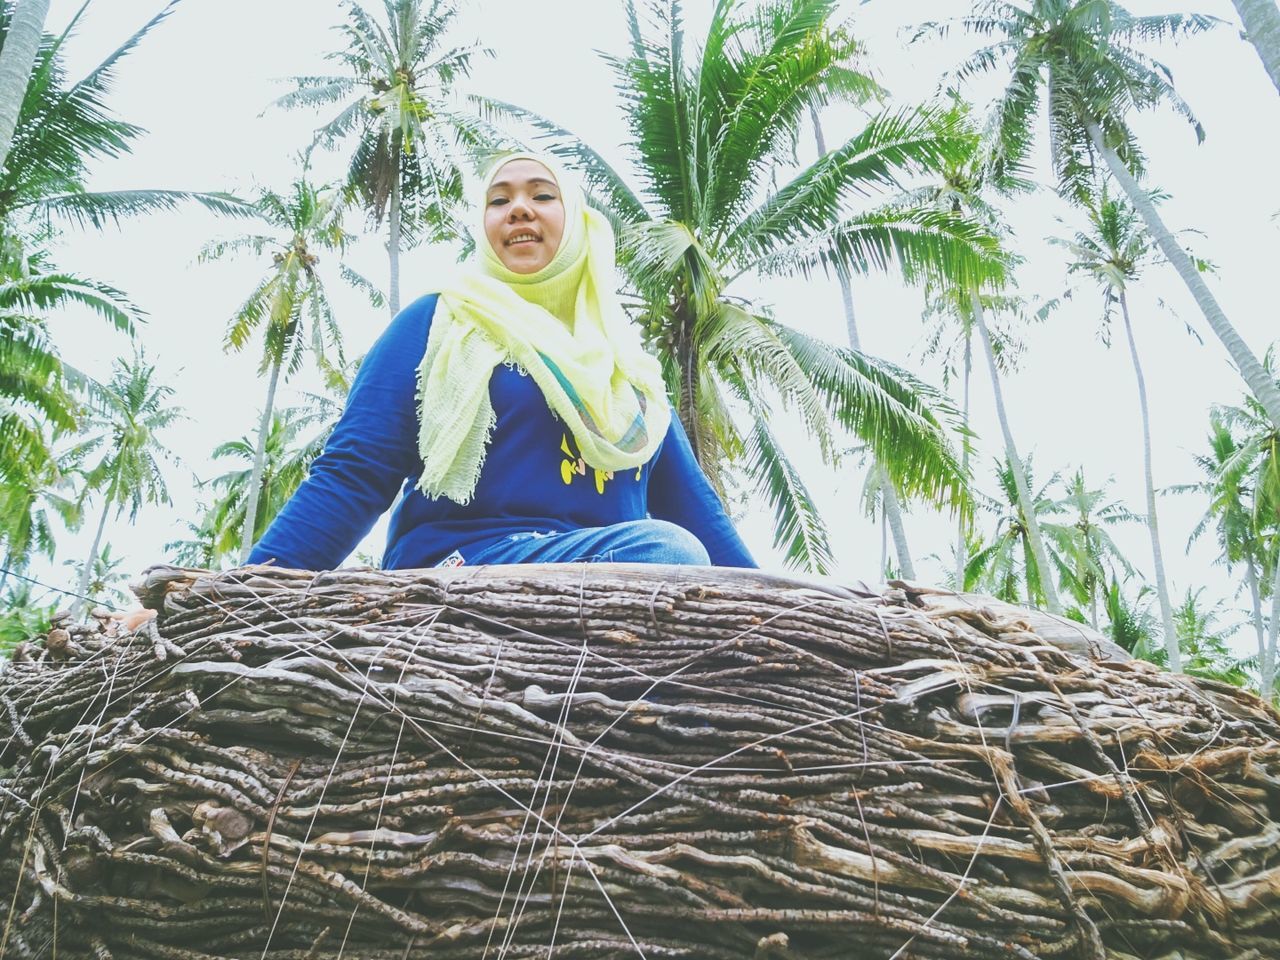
524,215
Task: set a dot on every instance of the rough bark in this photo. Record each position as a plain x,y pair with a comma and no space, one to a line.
621,761
892,505
17,59
1261,19
1273,637
393,238
961,542
254,492
1025,502
1255,608
1153,527
1255,375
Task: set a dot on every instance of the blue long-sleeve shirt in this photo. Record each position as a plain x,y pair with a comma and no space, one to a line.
533,477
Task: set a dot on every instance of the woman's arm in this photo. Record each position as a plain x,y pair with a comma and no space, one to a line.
680,492
372,450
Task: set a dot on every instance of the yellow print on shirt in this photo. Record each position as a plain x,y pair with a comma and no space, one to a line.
575,466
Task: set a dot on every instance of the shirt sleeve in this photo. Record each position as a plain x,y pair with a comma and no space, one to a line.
680,492
372,450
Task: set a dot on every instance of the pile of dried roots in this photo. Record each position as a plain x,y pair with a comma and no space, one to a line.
609,761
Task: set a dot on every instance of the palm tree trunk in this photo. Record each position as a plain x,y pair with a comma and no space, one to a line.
1273,636
884,543
1255,598
393,239
892,505
86,574
1025,503
1153,526
889,496
964,459
1261,19
17,58
255,478
1259,381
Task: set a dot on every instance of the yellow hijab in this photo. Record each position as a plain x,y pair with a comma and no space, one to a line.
563,325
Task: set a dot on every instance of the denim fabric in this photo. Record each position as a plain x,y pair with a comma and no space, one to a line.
634,541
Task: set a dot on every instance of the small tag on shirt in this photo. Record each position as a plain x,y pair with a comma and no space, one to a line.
454,559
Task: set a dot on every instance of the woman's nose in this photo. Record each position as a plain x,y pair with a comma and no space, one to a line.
519,209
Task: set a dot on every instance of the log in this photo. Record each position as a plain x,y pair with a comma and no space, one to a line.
621,761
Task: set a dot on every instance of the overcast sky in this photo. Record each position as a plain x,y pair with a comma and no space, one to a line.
202,84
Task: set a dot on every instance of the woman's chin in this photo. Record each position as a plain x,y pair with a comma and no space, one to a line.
526,262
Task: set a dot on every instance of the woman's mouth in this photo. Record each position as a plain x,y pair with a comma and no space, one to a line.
521,238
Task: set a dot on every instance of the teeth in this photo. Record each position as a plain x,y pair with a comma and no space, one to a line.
520,237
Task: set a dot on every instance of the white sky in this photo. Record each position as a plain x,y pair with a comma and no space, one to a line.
202,81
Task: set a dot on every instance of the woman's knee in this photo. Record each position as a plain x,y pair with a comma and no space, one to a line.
659,541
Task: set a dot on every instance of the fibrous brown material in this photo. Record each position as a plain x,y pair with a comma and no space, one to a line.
603,761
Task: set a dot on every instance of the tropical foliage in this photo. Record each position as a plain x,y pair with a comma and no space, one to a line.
124,451
1088,58
396,104
289,304
708,129
62,128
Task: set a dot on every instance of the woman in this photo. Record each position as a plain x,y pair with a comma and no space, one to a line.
519,412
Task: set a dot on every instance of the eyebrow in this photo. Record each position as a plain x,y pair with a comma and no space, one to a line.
507,183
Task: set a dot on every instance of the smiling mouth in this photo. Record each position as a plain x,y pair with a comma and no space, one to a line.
522,238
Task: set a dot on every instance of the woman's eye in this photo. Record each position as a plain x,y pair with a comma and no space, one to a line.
497,201
545,196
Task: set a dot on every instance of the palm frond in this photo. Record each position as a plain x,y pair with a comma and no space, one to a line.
905,423
100,209
798,528
889,149
925,245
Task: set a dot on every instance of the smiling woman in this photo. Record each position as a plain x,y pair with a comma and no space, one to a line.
516,409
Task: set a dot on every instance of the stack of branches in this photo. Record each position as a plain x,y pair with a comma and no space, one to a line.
606,761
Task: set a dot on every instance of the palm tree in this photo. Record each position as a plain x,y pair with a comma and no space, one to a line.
200,548
21,26
1112,253
1205,644
709,127
61,129
889,502
295,439
34,388
1261,19
1091,555
105,580
33,494
1085,53
291,294
394,98
1006,564
1131,624
1227,484
130,411
949,315
966,183
23,615
1258,459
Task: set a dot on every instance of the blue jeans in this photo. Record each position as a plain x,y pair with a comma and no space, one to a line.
635,541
